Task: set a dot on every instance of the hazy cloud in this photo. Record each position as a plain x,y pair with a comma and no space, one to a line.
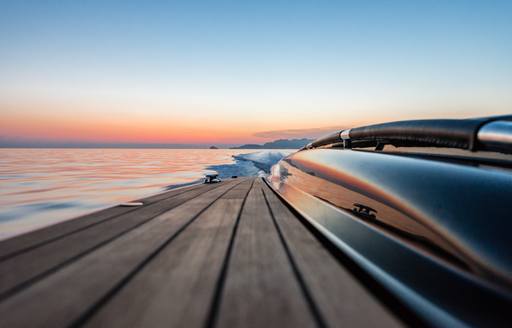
298,133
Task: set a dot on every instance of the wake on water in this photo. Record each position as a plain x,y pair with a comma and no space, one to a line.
252,164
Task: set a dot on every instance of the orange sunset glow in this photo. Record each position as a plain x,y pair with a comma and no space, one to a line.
187,79
194,126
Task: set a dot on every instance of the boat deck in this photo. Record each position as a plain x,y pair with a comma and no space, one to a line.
230,254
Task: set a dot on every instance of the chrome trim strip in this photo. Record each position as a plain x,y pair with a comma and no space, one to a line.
345,134
497,133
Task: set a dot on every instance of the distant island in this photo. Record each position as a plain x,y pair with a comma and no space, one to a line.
214,147
278,144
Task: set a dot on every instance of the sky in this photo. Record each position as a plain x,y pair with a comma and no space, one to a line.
233,72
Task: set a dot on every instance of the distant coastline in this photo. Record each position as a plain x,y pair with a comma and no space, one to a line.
276,144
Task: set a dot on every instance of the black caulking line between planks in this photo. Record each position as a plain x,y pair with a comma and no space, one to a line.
384,296
211,318
47,241
10,292
298,275
80,321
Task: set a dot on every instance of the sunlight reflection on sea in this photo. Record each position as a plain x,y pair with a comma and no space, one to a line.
39,187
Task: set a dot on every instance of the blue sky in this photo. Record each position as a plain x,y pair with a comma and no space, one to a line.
247,66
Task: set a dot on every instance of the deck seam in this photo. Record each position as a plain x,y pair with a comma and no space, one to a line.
298,275
374,288
82,319
211,318
29,248
16,289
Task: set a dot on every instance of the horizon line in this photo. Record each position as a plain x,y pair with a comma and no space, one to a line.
126,145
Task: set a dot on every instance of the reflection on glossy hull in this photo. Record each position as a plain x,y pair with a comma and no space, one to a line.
410,223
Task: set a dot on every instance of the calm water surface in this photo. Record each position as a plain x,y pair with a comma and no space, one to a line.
39,187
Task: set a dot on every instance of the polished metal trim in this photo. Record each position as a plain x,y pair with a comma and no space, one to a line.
497,133
345,134
345,137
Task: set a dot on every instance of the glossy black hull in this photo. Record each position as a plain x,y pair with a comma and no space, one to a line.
414,226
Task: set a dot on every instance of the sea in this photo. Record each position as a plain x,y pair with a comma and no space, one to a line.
41,187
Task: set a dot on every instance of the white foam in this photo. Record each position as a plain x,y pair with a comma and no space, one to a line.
252,164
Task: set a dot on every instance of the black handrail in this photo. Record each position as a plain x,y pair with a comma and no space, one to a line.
446,133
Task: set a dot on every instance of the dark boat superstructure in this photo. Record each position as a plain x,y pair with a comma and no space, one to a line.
430,225
487,133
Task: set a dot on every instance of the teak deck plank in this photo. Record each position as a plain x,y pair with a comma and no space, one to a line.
260,289
177,287
18,244
222,255
341,300
68,295
18,270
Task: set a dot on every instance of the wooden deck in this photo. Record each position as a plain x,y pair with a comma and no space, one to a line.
224,255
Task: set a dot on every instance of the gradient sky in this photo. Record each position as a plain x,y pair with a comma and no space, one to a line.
245,71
